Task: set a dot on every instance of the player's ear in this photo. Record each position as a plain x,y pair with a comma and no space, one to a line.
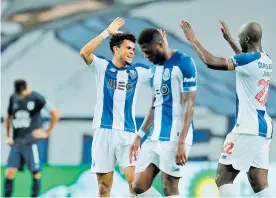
116,50
247,39
160,44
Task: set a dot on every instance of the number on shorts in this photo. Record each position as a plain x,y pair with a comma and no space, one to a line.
227,148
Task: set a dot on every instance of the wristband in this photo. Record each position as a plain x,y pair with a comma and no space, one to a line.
104,34
141,133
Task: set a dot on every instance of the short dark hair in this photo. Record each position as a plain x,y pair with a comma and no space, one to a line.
20,85
117,39
148,35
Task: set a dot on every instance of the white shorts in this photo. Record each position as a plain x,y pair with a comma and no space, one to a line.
110,146
162,154
244,150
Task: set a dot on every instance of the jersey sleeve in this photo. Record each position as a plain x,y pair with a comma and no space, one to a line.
9,110
240,62
187,75
43,104
143,73
98,64
40,101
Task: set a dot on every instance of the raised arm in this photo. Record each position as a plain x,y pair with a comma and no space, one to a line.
227,36
87,51
210,60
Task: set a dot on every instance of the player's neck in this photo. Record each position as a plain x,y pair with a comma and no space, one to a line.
25,93
168,53
118,64
255,48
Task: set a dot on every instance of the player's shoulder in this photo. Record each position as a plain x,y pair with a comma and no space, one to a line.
182,58
183,61
36,95
13,96
245,58
140,66
98,59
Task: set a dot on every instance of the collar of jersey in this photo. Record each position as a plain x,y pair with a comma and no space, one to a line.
170,59
111,63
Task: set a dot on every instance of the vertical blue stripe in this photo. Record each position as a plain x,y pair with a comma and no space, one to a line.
262,123
130,91
237,107
166,119
107,114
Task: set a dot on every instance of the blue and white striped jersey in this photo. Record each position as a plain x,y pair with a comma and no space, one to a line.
253,73
117,93
169,81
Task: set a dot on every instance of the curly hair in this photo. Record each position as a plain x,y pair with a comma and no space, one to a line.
117,39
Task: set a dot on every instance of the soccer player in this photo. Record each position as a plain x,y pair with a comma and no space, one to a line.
173,81
24,116
246,147
114,119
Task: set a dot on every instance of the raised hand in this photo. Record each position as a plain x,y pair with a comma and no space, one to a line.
188,31
164,36
114,27
225,31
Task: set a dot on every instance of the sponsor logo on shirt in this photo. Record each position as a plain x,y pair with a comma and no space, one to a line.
264,65
192,79
121,85
164,90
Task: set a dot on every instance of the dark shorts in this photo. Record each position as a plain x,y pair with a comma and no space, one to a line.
24,154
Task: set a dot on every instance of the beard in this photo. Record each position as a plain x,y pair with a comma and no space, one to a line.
159,58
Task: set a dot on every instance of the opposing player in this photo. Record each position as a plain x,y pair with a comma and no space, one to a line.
114,121
173,80
23,116
246,148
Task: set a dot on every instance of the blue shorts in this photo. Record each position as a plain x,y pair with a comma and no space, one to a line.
24,154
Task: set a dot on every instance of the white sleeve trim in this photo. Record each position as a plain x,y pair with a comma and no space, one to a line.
189,89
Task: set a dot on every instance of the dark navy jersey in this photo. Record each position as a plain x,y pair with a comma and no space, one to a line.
24,114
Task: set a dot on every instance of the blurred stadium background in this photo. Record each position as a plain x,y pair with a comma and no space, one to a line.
40,41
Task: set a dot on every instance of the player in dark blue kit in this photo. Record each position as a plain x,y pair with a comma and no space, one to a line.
24,117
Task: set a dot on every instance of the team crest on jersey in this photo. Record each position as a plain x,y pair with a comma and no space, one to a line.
166,74
132,74
30,105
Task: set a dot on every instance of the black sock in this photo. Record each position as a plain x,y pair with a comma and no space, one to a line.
8,187
36,187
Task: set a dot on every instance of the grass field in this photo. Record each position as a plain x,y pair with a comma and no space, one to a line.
52,176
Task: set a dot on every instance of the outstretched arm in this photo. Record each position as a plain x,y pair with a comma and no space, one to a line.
210,60
87,51
227,36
